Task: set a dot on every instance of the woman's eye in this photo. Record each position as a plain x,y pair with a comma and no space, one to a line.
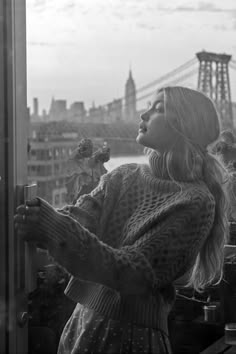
158,109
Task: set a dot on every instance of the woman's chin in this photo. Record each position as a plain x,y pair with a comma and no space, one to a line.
140,138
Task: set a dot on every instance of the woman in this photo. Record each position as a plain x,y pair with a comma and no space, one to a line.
142,228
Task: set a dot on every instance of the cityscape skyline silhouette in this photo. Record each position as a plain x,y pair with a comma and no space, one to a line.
82,50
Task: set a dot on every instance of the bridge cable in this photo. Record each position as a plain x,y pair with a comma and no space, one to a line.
160,79
166,76
173,82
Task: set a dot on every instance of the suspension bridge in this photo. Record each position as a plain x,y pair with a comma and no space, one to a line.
213,78
207,72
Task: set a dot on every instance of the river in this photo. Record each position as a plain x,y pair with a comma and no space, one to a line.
120,160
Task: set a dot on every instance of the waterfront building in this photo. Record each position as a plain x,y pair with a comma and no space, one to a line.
77,112
114,111
44,115
47,167
96,114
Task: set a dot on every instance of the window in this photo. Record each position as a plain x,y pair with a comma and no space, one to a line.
57,199
74,93
13,174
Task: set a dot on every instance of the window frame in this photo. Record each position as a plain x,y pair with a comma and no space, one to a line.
13,170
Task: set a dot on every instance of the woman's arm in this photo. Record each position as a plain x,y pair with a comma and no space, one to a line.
160,256
88,208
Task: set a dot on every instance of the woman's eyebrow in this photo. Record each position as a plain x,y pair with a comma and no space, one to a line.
154,102
157,101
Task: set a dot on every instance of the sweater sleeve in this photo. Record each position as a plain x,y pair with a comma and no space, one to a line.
88,208
161,255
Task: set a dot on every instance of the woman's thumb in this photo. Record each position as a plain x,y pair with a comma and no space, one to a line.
33,202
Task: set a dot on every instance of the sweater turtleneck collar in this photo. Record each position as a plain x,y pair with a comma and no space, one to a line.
155,173
157,165
155,178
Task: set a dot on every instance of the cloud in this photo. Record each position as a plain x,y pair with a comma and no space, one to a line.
40,5
68,7
147,26
201,7
209,7
221,27
118,15
41,44
50,44
216,22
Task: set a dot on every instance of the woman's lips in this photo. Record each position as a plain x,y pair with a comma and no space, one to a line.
142,129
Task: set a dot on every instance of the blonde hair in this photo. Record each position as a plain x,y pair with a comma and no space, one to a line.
194,118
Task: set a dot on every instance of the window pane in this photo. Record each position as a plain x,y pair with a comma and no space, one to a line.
93,66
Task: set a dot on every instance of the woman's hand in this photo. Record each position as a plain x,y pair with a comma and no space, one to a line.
27,221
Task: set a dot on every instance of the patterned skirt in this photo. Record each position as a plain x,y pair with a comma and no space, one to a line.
91,333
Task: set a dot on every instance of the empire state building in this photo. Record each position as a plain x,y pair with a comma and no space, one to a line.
130,99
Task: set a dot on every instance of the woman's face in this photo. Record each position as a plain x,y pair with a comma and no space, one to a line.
154,131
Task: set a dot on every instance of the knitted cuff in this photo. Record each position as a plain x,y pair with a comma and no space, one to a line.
67,240
53,224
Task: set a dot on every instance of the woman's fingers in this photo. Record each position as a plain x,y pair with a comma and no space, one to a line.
33,202
28,230
28,210
23,228
26,233
26,219
26,222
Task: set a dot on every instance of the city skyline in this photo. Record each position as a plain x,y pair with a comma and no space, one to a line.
130,93
82,50
115,111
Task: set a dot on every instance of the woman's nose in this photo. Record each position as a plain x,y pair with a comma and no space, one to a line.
144,116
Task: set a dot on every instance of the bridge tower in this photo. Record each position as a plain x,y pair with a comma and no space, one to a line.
213,80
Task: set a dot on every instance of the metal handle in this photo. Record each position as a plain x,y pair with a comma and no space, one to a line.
27,274
22,318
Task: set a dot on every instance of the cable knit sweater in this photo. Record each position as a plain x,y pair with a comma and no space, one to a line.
129,240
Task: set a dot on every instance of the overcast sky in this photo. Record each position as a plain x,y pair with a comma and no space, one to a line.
82,49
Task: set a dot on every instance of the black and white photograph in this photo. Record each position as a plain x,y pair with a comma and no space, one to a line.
117,177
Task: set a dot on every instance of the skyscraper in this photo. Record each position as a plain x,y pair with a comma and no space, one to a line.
35,107
58,110
130,99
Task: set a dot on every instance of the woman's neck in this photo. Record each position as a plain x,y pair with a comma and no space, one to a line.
157,163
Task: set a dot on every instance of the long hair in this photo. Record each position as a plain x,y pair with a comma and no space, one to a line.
194,118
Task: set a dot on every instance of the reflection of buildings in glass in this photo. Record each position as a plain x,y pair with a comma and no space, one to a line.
47,166
55,135
51,145
49,159
130,99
